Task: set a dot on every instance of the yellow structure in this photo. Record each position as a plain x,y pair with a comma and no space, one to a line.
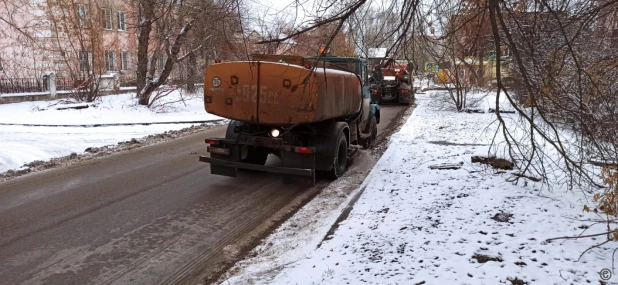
490,69
442,77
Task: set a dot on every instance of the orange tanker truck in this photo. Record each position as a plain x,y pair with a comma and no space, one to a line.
308,111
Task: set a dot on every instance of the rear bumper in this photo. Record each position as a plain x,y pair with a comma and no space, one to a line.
406,97
233,165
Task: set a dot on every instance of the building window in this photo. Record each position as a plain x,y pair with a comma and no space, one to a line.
122,25
110,60
107,18
507,52
124,61
85,61
462,75
82,13
59,54
161,63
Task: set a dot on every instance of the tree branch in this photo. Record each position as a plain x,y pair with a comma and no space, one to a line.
342,17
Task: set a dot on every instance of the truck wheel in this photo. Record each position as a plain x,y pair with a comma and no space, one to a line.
255,156
340,161
371,140
229,132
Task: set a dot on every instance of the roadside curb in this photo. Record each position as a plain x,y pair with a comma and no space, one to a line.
114,124
345,213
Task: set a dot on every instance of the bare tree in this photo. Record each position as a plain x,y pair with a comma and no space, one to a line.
370,25
177,31
77,32
565,68
555,63
18,32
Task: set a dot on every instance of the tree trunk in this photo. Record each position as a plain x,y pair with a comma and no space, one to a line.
152,85
192,72
152,65
145,27
481,71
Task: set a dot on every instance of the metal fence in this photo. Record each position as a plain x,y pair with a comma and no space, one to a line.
31,85
65,84
22,85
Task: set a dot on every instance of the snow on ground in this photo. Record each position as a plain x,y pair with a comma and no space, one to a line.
121,108
414,225
23,144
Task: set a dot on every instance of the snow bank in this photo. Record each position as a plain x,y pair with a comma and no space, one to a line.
414,225
23,144
121,108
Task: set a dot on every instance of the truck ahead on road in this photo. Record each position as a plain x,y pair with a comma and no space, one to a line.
390,82
311,112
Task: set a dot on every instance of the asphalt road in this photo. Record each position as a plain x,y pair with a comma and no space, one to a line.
153,215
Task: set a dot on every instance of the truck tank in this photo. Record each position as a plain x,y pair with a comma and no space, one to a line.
280,94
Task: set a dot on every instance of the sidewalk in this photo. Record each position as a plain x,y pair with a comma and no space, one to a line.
414,225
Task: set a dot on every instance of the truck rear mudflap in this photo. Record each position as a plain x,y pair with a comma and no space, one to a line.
406,96
228,168
225,158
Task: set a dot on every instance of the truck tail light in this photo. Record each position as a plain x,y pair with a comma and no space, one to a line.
404,91
304,150
374,91
211,142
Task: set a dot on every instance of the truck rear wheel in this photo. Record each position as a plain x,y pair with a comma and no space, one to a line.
248,154
340,161
255,155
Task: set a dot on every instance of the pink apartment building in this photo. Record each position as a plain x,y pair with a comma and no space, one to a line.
71,38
